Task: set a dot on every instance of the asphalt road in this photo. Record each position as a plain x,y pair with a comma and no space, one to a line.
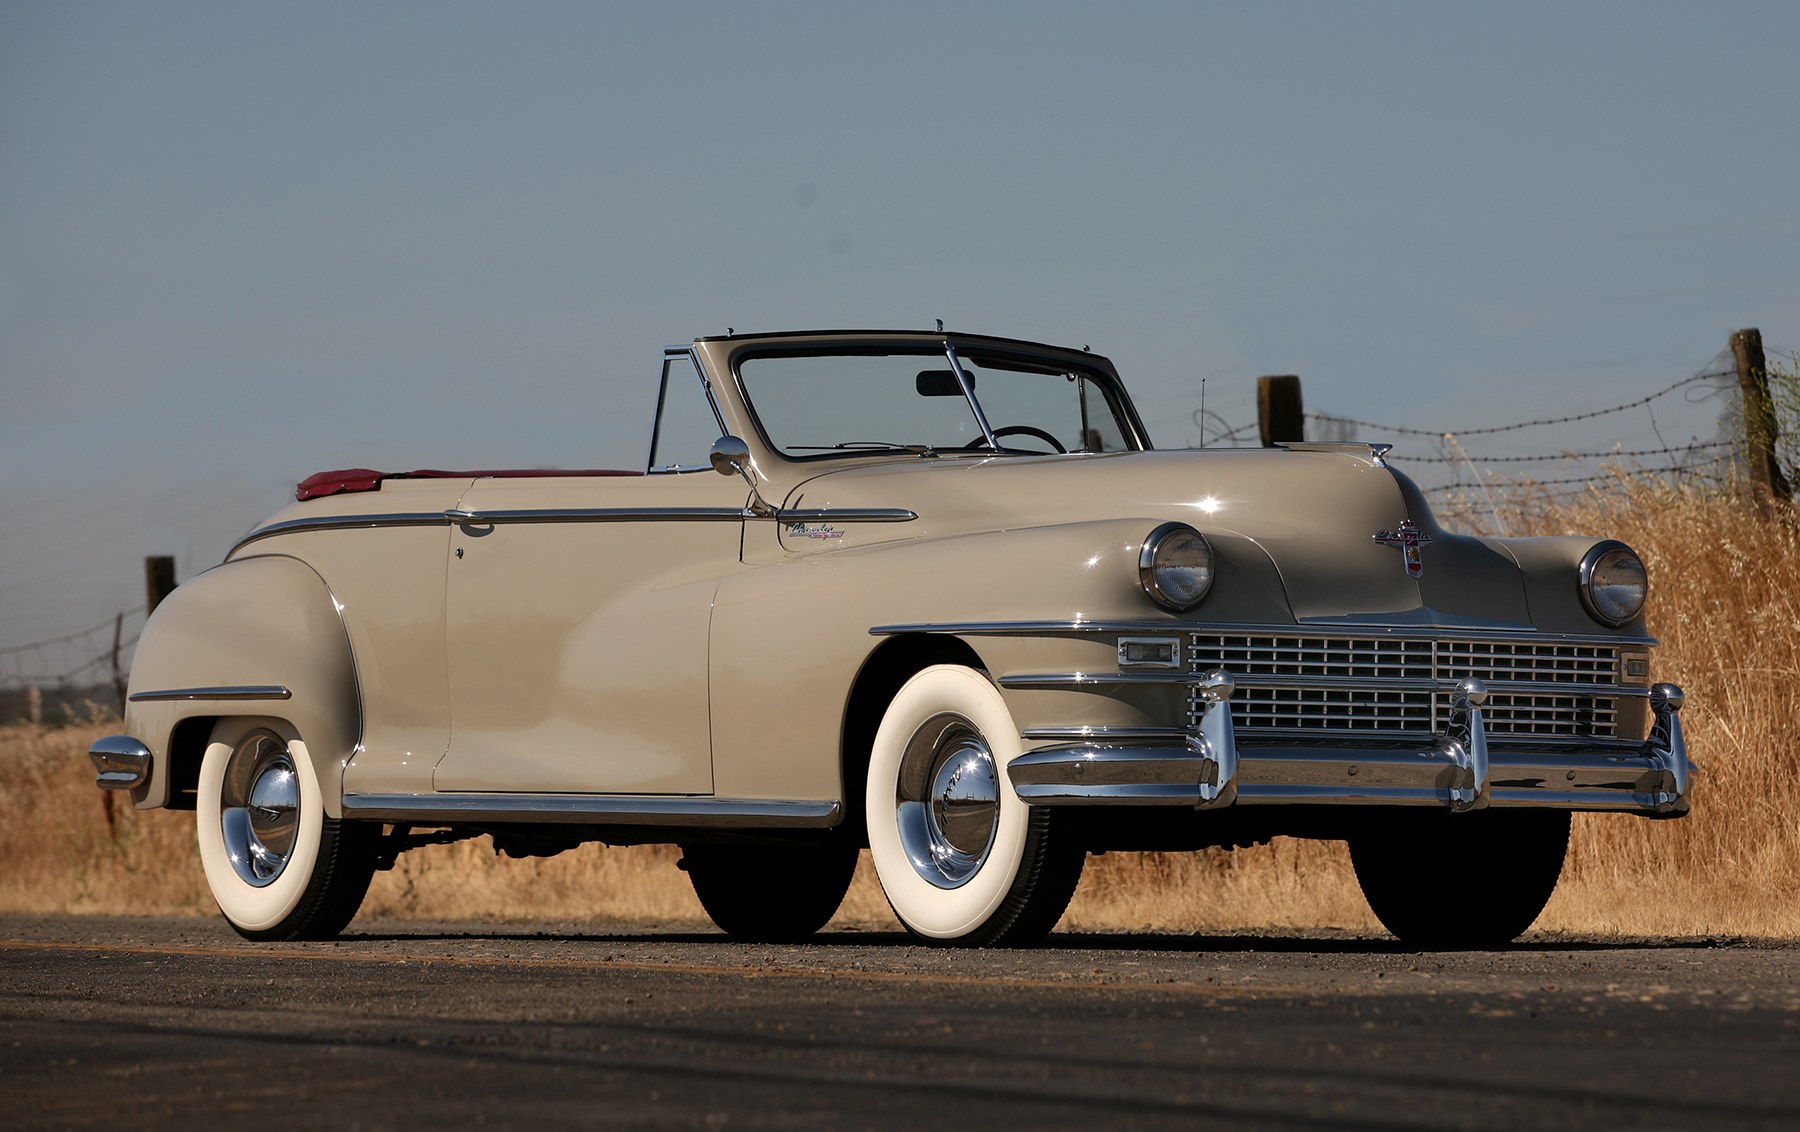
146,1023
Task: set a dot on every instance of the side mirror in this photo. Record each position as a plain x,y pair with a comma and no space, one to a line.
730,456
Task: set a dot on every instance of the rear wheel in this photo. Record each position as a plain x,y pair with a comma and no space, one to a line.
961,859
278,865
1461,880
769,894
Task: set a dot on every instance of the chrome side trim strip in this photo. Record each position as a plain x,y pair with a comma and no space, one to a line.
682,515
340,523
1082,679
591,809
843,515
231,692
1414,632
598,515
120,762
575,515
1103,734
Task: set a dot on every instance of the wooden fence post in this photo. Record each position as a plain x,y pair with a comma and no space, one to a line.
34,704
118,673
1280,417
159,581
1767,482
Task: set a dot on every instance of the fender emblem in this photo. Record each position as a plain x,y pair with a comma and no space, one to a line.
1409,539
801,530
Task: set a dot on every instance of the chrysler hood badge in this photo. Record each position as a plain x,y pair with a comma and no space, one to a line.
1409,539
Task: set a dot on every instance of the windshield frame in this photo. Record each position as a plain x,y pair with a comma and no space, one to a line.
951,348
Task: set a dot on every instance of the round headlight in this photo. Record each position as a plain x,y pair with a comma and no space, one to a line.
1613,583
1176,566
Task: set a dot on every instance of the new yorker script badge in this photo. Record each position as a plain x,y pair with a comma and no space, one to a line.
1409,539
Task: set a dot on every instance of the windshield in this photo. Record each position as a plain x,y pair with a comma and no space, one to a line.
821,404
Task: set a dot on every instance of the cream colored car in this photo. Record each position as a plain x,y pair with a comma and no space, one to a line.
929,594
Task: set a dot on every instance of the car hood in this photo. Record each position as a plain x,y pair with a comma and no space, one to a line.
1314,513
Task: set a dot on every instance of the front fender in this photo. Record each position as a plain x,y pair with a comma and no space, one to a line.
268,622
804,623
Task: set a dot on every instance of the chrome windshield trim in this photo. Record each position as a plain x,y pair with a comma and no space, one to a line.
585,809
224,692
341,523
968,388
1413,632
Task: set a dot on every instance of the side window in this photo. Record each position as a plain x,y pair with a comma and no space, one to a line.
686,425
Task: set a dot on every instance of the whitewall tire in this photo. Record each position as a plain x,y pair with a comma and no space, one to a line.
961,859
278,865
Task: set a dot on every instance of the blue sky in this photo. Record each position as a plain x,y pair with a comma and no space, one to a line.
243,242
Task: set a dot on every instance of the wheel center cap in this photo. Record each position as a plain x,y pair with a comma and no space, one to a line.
275,808
965,799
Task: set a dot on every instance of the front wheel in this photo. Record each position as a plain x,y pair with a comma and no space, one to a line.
961,859
1461,880
278,865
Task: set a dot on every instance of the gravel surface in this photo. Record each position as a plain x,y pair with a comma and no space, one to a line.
149,1023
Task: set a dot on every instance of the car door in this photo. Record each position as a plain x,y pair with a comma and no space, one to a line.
579,610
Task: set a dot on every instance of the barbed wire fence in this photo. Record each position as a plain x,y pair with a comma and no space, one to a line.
1475,476
38,678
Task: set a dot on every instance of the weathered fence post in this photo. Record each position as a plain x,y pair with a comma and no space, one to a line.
117,672
1767,483
34,704
1280,417
159,581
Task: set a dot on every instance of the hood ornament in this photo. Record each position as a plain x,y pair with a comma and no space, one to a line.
1409,538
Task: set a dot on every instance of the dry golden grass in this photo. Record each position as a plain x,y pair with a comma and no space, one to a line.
1725,601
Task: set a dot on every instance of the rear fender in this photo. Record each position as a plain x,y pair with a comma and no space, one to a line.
258,636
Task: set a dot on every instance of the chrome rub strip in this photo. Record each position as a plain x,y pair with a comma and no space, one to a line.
340,523
589,809
228,692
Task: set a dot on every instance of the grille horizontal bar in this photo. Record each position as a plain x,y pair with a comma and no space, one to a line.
1382,685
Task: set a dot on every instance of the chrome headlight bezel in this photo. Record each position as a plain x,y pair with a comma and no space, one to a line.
1595,565
1156,571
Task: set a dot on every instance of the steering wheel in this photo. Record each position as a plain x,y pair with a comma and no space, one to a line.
1019,430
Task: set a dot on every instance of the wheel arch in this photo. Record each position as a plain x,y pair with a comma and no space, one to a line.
882,674
268,634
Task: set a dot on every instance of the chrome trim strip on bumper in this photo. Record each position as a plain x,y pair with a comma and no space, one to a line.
589,809
120,762
228,692
1456,770
1418,632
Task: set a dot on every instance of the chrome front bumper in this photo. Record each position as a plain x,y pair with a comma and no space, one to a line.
1455,769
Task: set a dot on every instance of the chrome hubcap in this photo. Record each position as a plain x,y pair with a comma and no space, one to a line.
259,807
949,800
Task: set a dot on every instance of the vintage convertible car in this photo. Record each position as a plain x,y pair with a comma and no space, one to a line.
932,594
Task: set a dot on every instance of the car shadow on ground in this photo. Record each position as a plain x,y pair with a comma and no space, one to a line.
1163,942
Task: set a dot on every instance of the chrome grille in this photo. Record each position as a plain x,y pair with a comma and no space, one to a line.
1397,685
